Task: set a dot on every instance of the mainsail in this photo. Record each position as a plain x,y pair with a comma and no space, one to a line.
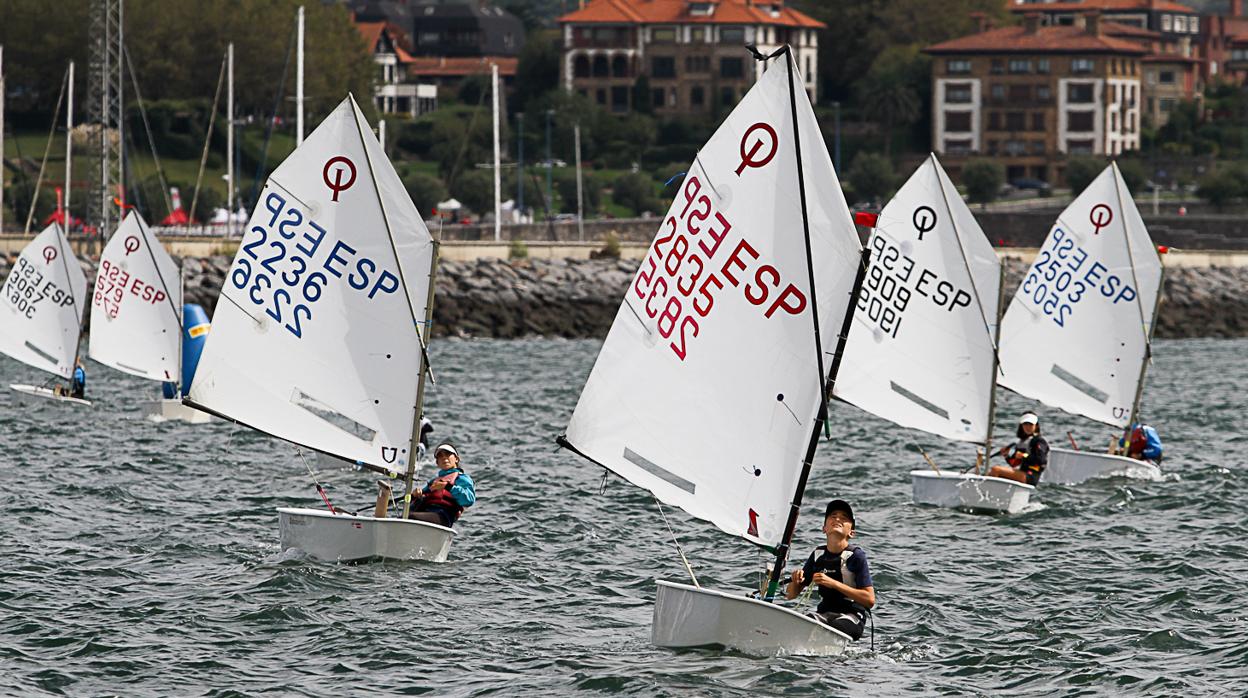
41,310
920,351
707,389
314,339
1076,334
136,307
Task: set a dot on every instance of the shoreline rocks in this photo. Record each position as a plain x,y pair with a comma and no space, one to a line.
579,298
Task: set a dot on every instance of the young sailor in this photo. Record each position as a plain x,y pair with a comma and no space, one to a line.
448,493
1028,456
1144,443
841,572
78,385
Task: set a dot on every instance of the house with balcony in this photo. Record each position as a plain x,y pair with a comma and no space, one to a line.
691,52
1030,95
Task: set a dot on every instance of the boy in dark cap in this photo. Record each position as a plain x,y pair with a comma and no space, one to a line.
841,573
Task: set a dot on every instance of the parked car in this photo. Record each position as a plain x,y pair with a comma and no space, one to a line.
1040,187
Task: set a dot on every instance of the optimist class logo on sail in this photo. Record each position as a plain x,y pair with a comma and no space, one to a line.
287,259
684,273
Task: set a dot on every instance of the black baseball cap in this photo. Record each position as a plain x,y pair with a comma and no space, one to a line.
842,506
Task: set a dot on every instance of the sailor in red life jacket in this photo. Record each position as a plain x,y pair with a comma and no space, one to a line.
1028,456
448,493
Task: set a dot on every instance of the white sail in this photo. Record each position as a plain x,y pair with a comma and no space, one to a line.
314,338
137,304
41,310
707,388
920,350
1075,334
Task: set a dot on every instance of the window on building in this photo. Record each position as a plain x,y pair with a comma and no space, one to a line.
1166,104
663,35
697,64
619,67
601,97
958,146
600,67
1037,121
428,38
732,35
1042,66
1020,65
1043,93
697,96
1079,121
1015,120
1113,121
993,148
998,92
731,67
998,66
1016,147
619,98
1151,77
1082,65
1079,147
727,96
957,93
1080,93
1180,23
1239,54
994,121
1037,147
1193,25
657,97
1166,23
957,66
958,121
662,67
1166,77
1020,93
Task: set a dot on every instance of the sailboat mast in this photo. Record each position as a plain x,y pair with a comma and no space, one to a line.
420,385
1139,304
1148,351
69,147
782,552
996,363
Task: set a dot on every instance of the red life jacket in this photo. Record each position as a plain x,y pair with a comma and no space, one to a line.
1139,441
441,499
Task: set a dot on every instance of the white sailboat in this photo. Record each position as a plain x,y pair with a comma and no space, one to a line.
921,350
41,311
1078,334
317,334
136,313
709,389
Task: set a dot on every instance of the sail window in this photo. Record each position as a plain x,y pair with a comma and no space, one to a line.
657,471
929,406
337,419
1079,384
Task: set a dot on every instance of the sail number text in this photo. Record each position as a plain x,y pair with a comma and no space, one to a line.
894,279
1061,277
679,284
283,267
112,284
26,289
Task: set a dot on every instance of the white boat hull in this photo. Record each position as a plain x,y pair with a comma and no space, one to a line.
1069,467
27,392
687,617
976,493
347,538
173,409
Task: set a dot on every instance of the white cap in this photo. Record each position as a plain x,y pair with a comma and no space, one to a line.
1029,418
445,447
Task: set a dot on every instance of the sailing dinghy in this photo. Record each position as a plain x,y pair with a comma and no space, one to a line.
41,312
709,389
136,313
922,347
317,334
1078,334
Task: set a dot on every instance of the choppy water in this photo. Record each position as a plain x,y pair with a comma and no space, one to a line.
142,559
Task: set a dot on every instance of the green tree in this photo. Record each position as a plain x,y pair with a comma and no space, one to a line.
983,180
1220,188
871,176
426,191
475,189
1133,174
635,192
643,97
591,191
537,70
894,90
1081,170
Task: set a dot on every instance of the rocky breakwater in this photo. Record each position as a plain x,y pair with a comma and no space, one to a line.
579,298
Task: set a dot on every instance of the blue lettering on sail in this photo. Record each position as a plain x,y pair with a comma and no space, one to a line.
280,270
1065,275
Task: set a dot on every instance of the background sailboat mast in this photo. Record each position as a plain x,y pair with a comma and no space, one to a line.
1139,304
299,83
1,139
69,147
782,552
229,141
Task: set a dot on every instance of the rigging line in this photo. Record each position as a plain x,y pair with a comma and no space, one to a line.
1126,237
679,550
56,117
320,490
268,129
463,148
151,254
203,156
966,263
160,173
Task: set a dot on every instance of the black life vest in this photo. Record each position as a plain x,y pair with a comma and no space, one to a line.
836,566
441,499
1028,456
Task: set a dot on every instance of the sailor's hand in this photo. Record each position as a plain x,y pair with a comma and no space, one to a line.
1004,450
439,485
823,580
798,577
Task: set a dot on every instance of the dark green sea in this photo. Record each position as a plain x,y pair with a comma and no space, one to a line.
142,559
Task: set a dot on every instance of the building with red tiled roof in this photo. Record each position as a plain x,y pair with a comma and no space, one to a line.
1172,19
690,52
1029,95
